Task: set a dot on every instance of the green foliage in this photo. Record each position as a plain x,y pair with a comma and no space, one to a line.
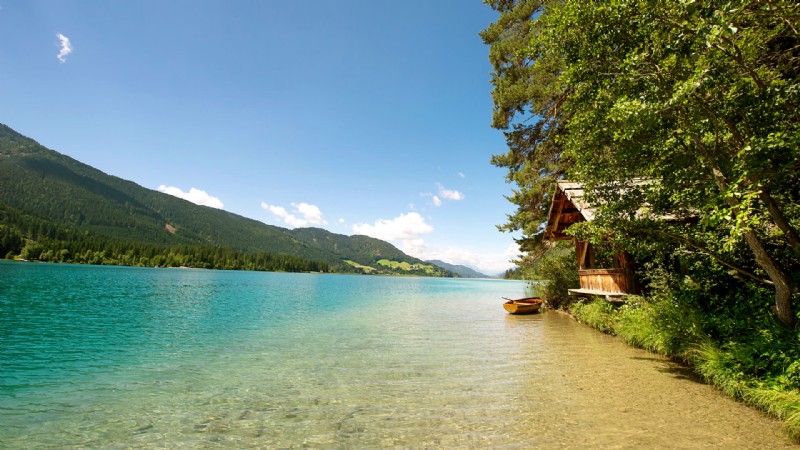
411,269
525,108
680,118
727,370
659,324
388,267
362,249
360,267
553,274
722,330
598,314
37,240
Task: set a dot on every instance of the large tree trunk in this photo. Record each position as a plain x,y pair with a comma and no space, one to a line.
783,284
780,220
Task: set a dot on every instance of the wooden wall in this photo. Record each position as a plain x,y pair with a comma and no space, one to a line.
607,280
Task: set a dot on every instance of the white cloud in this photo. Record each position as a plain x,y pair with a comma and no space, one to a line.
311,214
279,212
449,194
434,198
402,228
196,196
407,230
66,47
461,175
443,194
414,247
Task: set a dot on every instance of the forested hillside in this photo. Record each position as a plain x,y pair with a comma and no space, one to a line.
54,208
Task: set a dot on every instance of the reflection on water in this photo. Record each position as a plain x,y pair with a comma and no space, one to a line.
110,357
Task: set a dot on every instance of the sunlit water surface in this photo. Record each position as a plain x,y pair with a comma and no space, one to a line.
111,357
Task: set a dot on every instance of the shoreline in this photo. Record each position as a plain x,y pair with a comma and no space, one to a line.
782,406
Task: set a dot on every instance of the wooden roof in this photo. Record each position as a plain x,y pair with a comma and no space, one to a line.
568,207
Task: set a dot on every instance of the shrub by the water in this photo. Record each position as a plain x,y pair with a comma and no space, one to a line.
554,273
597,314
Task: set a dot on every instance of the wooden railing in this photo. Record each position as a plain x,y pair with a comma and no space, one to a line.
606,280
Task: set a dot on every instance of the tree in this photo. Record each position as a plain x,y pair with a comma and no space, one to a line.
699,99
527,98
31,250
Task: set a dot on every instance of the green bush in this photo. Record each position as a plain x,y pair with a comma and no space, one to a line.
660,323
555,273
598,314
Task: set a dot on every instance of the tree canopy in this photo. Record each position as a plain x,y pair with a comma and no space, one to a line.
699,99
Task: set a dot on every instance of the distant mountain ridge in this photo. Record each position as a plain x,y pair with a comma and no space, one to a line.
464,271
45,194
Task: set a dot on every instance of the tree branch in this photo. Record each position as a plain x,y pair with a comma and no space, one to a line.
716,257
773,209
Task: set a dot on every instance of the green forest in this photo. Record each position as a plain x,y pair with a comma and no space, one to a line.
38,240
30,239
681,120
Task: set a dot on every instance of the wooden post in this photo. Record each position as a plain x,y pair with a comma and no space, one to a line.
581,248
627,263
561,200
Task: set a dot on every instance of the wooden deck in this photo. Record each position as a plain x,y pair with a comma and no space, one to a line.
611,297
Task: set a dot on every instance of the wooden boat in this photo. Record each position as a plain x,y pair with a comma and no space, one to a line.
528,305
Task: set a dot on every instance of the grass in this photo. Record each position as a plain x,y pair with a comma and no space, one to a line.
366,269
715,365
760,368
406,266
599,315
394,266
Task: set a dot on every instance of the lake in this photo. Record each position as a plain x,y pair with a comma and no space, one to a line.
119,357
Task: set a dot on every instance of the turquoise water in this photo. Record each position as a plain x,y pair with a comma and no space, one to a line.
95,356
115,357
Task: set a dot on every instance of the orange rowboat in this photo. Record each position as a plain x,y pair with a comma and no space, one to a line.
528,305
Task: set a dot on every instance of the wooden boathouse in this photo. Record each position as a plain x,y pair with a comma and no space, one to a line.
612,283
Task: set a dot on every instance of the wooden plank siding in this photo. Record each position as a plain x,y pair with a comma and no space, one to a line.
605,280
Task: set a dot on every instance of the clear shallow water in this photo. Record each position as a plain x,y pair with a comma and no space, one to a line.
112,357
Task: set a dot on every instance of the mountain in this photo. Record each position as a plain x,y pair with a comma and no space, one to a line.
464,271
51,203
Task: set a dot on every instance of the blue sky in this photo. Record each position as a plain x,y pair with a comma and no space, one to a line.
360,117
